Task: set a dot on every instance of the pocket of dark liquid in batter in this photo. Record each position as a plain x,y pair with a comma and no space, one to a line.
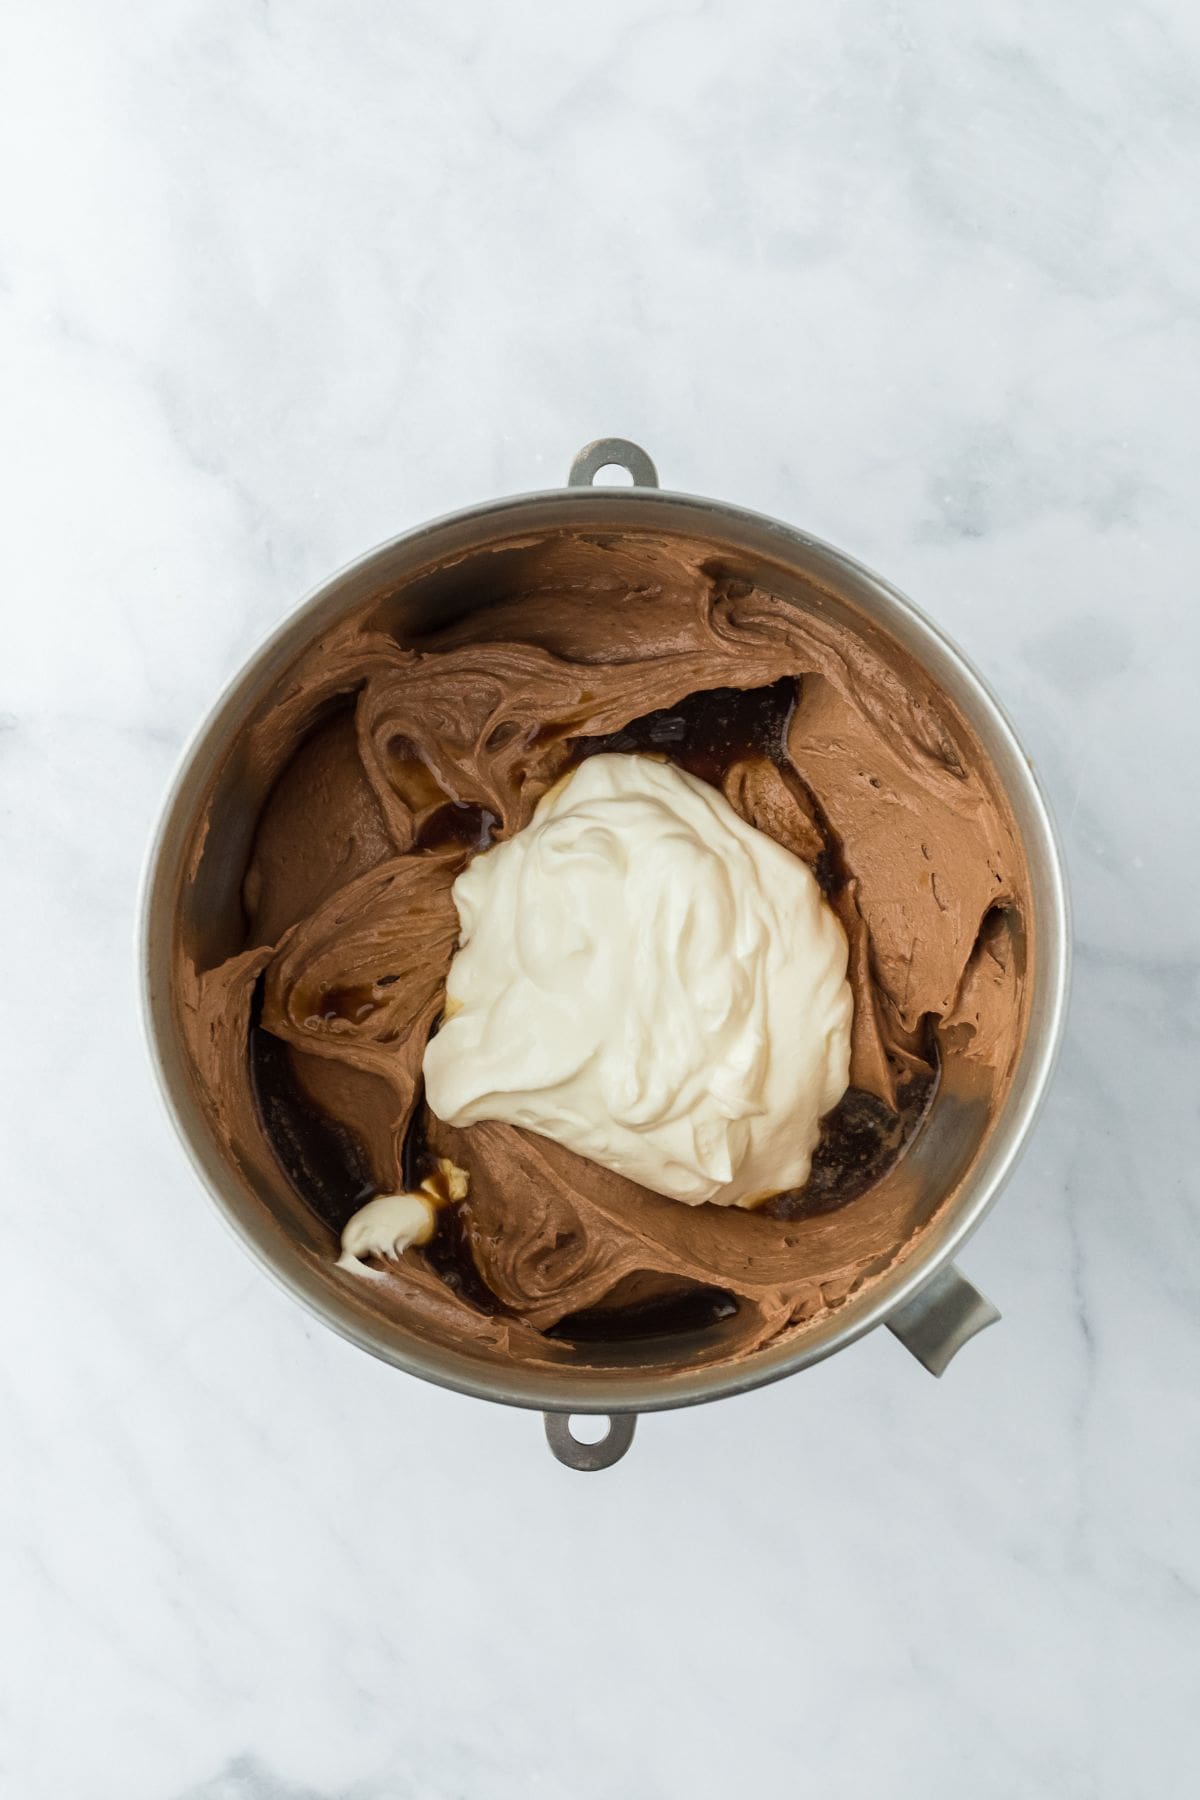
449,1250
861,1139
708,732
691,1307
324,1162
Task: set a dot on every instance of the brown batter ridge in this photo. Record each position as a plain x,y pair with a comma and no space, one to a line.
388,763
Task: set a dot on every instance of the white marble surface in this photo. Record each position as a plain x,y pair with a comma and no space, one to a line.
277,281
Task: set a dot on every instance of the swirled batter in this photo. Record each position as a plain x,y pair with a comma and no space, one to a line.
386,763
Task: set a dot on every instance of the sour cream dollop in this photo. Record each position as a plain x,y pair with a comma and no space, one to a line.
643,977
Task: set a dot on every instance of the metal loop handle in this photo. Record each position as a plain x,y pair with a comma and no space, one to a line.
612,453
611,1448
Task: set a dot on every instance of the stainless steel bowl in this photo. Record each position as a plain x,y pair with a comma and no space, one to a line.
962,1162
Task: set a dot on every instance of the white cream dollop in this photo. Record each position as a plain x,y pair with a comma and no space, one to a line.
391,1223
650,981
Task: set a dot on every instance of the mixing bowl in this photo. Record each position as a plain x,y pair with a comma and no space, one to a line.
964,1151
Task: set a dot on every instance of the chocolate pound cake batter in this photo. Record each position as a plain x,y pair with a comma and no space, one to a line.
388,763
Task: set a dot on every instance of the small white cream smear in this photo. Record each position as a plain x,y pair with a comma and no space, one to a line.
648,980
389,1224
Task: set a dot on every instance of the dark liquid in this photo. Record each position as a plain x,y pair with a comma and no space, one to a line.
860,1140
694,1309
449,1249
322,1158
470,827
449,1252
451,821
708,732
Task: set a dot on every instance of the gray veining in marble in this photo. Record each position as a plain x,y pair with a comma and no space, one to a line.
278,281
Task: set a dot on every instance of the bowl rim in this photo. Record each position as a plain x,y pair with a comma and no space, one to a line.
548,1388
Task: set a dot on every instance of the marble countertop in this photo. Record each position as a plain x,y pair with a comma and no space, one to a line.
279,281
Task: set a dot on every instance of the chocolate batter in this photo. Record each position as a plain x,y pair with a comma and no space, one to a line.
393,761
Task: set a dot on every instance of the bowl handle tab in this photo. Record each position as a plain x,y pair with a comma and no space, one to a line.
936,1323
612,453
576,1455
